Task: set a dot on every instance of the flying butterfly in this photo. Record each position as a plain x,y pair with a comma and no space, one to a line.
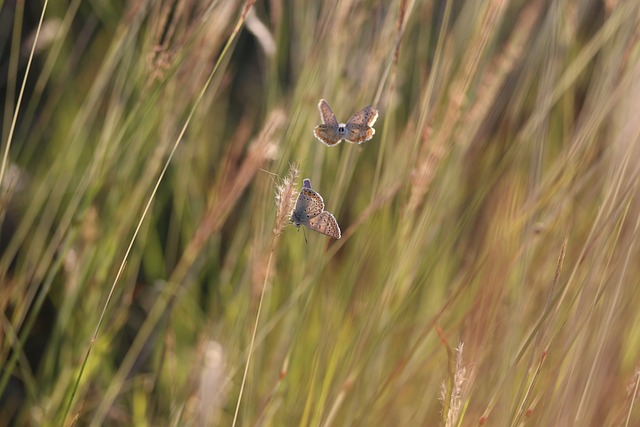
357,130
309,211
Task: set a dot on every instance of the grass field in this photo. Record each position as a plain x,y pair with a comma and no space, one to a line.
489,267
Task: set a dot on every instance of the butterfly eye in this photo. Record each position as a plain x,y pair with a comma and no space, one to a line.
341,129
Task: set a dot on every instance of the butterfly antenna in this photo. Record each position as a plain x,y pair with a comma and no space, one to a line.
273,176
269,172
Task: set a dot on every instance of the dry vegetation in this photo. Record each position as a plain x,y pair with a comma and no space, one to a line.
488,272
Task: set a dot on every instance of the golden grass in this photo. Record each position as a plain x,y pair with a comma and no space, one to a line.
487,270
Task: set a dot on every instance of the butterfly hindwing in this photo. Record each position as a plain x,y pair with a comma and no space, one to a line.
359,134
326,224
328,135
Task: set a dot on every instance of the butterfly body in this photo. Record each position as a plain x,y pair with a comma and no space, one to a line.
309,211
357,130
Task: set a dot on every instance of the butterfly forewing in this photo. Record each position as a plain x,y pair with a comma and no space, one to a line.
326,114
326,224
309,204
365,117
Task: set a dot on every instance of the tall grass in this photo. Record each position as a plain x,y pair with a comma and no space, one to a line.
488,267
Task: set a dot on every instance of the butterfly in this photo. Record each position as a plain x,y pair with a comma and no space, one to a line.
357,130
309,211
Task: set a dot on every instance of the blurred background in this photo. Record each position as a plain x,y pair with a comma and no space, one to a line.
489,265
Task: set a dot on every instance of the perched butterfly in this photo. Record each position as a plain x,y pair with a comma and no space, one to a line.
357,130
309,211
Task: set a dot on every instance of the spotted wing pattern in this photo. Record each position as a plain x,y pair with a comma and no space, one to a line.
309,205
326,224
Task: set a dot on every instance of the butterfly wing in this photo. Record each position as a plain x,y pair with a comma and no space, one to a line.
308,205
326,224
358,134
359,127
316,204
327,134
326,114
365,117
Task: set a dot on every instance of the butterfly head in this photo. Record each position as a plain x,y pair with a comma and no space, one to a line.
295,218
342,129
